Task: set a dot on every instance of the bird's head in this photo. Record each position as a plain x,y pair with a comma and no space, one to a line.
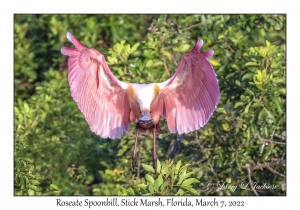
145,120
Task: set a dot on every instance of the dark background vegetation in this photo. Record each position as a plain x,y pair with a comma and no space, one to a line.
243,144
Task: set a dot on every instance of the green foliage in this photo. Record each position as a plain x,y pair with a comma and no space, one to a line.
169,179
57,154
25,183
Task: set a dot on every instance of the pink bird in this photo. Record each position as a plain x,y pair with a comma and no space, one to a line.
186,100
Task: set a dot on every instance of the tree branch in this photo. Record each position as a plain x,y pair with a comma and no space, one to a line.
279,136
274,171
269,140
266,165
193,26
165,65
249,172
34,123
212,170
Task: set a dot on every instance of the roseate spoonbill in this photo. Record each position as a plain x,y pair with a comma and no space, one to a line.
186,100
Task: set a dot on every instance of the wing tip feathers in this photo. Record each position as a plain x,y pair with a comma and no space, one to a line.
69,35
198,45
208,53
75,41
64,51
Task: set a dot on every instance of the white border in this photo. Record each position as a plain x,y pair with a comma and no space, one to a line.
8,201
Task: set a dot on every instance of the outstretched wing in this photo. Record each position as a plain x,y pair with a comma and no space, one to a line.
100,96
189,97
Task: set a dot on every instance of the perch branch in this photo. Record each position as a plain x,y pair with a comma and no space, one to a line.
249,172
269,140
212,170
193,26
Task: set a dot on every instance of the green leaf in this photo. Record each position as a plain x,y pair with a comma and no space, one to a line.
261,114
53,187
214,62
130,191
177,167
34,182
234,66
34,188
151,188
163,186
180,192
181,177
160,180
117,47
149,63
134,47
28,160
142,185
278,104
155,186
221,110
282,91
278,80
164,169
251,64
120,71
173,176
191,189
167,54
26,107
259,86
240,103
183,168
270,115
247,76
148,168
184,47
56,192
199,174
158,166
189,182
238,83
229,75
247,107
250,92
189,174
149,178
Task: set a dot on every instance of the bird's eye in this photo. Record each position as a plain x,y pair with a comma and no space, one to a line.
140,112
150,112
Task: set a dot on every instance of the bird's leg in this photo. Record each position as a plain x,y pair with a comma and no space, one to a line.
134,150
154,149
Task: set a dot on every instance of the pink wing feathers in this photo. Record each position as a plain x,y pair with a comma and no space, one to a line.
100,96
189,97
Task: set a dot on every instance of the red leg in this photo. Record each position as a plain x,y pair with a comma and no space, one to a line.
154,150
134,150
